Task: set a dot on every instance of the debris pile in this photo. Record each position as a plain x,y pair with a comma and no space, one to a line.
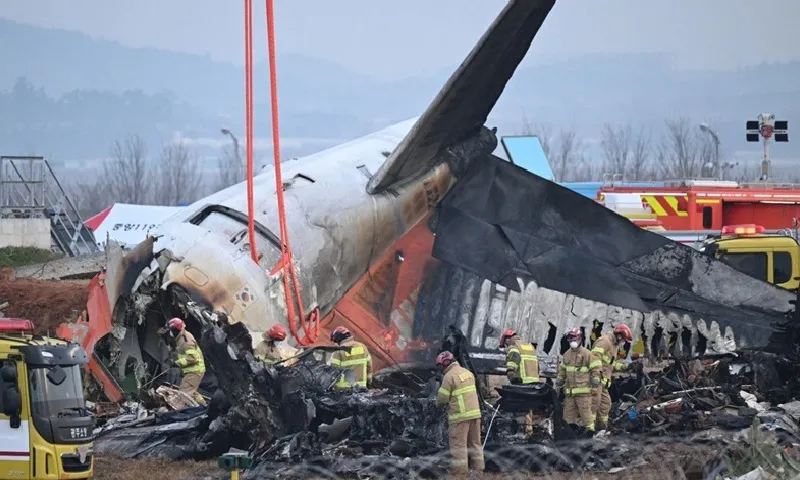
726,392
295,427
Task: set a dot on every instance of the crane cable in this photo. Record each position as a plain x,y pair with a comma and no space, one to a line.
248,112
309,325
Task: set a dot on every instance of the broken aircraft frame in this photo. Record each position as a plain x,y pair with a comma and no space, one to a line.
507,244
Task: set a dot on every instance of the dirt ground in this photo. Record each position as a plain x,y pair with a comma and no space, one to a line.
46,303
664,462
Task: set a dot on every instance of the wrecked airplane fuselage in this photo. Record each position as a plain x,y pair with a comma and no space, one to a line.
345,207
204,257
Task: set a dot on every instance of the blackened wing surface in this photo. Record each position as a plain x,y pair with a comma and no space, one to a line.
502,222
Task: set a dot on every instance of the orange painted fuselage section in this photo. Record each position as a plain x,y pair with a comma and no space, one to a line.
379,309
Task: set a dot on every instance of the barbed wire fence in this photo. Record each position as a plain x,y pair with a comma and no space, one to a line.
706,454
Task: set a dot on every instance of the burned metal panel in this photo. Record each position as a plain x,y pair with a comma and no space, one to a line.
461,107
482,310
503,223
123,267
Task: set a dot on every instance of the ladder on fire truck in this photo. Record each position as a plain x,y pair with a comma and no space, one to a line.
30,189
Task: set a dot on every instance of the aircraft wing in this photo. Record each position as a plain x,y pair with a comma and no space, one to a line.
466,99
502,222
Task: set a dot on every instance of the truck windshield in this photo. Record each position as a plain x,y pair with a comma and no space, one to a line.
49,399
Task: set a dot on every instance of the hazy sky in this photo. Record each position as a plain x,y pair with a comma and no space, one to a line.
404,38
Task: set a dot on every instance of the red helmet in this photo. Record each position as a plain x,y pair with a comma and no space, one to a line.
508,333
339,334
444,359
624,331
176,324
277,332
574,335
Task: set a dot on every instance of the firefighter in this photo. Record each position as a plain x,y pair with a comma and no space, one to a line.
358,361
459,393
605,350
273,348
190,359
522,367
578,374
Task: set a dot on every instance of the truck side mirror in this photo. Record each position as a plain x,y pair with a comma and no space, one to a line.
12,399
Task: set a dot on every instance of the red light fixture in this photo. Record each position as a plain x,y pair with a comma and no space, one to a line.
749,229
15,325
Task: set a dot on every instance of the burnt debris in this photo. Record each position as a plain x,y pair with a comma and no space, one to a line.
295,427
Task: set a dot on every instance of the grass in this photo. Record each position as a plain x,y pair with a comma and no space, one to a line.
21,256
115,468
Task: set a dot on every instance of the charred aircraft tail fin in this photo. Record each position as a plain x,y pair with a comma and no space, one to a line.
470,93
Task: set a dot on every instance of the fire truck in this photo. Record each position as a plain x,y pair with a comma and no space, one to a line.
691,205
46,430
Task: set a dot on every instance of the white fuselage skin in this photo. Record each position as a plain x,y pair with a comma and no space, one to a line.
336,231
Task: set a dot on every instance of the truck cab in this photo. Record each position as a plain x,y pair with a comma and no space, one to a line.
769,257
45,428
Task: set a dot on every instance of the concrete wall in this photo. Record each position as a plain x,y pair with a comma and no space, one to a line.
25,232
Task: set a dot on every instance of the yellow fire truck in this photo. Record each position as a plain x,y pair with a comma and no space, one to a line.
45,428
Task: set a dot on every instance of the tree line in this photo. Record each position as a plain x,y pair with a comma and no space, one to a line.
681,150
173,176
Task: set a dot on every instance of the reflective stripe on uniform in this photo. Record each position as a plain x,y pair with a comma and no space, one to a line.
348,363
183,361
526,353
463,413
265,359
605,358
577,391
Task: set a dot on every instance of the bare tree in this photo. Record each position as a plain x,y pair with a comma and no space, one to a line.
626,153
541,131
641,154
563,150
583,171
179,177
89,197
616,144
230,168
127,174
683,151
567,157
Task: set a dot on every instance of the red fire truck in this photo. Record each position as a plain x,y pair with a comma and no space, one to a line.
692,205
